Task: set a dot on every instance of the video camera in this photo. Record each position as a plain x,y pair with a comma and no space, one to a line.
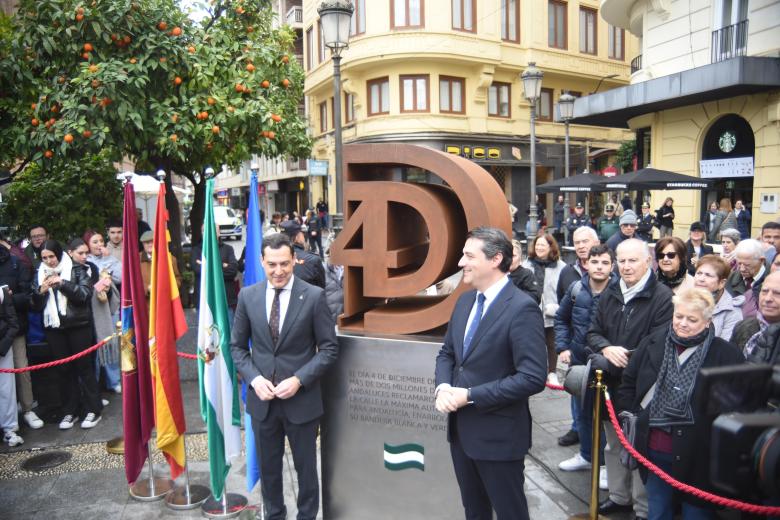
745,450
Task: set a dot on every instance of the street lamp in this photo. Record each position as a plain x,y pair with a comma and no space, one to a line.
566,108
532,86
335,18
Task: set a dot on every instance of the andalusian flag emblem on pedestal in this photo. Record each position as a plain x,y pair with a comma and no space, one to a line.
404,456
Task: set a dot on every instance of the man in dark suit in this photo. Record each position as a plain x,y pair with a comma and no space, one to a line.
293,344
493,359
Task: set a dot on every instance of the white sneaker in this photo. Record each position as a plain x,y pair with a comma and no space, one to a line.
67,422
576,463
552,378
104,401
32,420
603,479
118,389
12,439
90,420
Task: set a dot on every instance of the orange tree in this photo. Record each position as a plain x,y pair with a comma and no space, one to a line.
142,79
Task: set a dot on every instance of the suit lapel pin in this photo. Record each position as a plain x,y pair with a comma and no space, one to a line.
300,297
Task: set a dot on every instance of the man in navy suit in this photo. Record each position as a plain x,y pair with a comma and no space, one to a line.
493,359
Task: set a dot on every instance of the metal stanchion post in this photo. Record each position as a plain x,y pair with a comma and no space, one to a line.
116,446
153,488
593,513
188,496
230,506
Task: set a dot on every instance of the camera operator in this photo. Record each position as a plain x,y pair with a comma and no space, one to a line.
660,386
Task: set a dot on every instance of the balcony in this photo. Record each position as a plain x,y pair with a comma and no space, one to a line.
730,42
295,17
636,64
295,164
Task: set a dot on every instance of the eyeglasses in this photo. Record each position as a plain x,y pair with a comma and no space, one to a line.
668,256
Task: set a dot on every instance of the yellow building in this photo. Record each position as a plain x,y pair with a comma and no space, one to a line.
704,99
446,74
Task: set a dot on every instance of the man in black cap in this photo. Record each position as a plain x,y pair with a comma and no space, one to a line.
646,223
308,267
696,246
577,220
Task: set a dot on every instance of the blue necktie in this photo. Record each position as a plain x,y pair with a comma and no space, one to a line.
474,323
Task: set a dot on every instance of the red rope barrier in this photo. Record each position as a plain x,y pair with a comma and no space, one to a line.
553,387
685,488
186,356
58,362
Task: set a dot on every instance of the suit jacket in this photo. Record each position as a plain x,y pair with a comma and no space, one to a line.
505,365
307,346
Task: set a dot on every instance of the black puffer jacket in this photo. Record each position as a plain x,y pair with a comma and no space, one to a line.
525,280
16,275
690,444
78,291
625,325
9,325
308,267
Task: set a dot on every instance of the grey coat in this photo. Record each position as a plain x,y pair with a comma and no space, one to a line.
306,348
727,313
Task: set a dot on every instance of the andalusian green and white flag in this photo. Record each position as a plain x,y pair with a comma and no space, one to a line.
404,456
217,375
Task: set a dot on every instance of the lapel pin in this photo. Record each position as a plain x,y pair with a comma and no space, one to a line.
300,297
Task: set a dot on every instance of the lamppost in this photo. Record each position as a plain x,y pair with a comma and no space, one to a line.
335,17
532,86
566,108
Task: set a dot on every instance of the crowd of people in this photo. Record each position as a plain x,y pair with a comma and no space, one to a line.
650,316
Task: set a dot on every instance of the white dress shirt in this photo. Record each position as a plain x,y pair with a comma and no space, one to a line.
284,301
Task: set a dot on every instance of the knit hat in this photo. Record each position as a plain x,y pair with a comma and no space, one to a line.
147,236
628,217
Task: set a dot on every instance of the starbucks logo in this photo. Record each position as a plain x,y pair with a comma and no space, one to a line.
727,142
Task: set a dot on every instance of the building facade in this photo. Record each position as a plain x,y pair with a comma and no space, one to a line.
704,99
446,74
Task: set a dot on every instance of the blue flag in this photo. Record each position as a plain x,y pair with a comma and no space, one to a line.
253,273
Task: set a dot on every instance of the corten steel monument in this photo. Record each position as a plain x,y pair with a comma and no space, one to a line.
401,237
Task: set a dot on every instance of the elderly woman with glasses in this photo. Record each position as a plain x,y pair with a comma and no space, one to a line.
661,385
711,274
670,252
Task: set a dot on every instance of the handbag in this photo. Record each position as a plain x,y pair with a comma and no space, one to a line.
628,424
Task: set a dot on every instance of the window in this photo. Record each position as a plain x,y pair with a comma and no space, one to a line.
349,107
617,39
358,21
556,24
499,100
324,116
414,93
510,20
452,95
309,48
463,15
588,19
378,96
322,48
544,105
407,13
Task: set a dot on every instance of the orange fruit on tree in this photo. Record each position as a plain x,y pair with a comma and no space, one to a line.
68,138
48,154
34,106
175,118
87,134
191,49
215,129
250,67
126,39
162,26
211,101
163,59
51,121
265,83
35,122
174,137
55,108
250,29
276,117
88,47
95,83
61,80
177,80
231,109
79,17
176,31
85,55
133,61
286,82
114,37
239,87
285,59
80,10
93,68
271,134
265,133
240,10
105,102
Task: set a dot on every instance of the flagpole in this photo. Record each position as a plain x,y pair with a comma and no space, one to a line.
230,506
153,488
188,496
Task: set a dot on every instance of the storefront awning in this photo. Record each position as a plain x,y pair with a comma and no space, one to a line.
729,78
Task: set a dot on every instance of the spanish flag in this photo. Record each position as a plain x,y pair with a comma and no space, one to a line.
166,325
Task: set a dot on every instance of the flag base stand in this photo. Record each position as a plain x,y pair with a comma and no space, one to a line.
116,446
179,499
230,506
148,491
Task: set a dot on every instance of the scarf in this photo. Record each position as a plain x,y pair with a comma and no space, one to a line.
630,292
57,302
671,404
539,266
750,346
674,281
